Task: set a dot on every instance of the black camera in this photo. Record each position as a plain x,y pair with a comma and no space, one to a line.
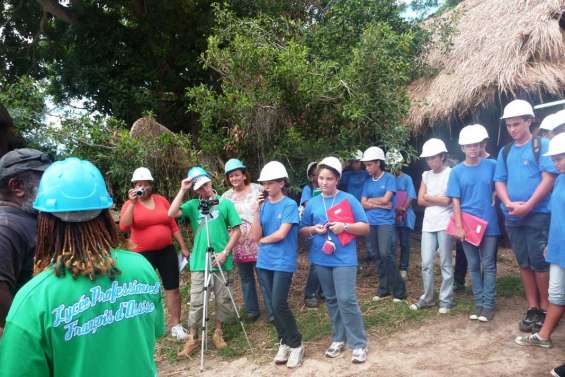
140,191
205,205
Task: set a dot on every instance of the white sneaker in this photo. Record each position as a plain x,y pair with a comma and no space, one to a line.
359,355
443,310
295,357
282,354
335,349
179,332
403,274
397,300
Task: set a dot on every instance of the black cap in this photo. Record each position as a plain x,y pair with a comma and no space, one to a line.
22,160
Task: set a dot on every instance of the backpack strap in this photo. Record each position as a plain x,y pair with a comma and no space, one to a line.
536,150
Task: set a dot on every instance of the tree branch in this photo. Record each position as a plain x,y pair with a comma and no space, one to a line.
57,10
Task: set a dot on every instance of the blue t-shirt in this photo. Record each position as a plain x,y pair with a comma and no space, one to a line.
353,181
474,187
522,174
375,188
556,240
279,256
307,193
315,213
404,183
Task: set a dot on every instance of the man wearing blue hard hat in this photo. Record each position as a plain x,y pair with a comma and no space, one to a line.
20,171
220,214
91,310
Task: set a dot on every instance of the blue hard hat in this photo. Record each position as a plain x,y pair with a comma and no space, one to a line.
72,185
233,164
196,171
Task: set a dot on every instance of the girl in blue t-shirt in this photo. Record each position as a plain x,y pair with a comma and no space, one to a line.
377,201
471,188
275,228
336,263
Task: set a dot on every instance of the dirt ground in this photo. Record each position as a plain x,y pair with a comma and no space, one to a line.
438,346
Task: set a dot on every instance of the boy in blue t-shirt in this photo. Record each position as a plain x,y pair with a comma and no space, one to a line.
353,178
524,182
555,256
471,188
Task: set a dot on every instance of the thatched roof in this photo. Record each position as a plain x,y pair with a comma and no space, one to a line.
499,47
147,128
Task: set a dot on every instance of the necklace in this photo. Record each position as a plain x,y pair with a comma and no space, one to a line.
331,206
379,177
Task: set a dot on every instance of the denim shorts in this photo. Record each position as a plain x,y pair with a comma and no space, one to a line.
557,285
529,238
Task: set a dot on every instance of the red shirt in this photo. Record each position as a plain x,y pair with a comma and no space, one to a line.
151,229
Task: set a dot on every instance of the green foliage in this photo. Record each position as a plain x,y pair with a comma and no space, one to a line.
294,93
108,144
25,101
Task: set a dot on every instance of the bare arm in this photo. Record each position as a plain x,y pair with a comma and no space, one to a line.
544,188
458,221
277,236
502,193
174,209
178,237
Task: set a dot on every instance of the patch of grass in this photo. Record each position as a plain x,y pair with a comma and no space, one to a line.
509,286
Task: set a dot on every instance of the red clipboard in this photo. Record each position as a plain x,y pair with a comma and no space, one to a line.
342,213
474,228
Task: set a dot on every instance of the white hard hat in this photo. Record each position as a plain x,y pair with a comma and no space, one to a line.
433,147
357,155
470,135
372,154
552,121
517,108
272,171
556,145
481,130
141,174
332,162
309,167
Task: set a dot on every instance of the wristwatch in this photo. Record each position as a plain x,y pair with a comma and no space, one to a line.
345,227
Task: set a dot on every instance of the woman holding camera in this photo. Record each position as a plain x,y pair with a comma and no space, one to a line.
145,217
243,195
335,263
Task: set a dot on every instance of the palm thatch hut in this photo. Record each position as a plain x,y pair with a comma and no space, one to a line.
498,50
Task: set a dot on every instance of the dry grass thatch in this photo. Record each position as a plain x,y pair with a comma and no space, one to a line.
499,47
147,128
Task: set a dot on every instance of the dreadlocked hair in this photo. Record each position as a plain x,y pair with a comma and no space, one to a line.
81,248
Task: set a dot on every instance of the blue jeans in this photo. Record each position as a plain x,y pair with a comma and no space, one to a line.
313,288
379,241
339,286
248,288
276,285
460,264
402,235
482,268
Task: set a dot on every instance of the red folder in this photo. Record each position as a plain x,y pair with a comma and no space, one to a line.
342,213
474,228
401,199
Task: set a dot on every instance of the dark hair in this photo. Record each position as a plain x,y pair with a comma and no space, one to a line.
81,248
286,184
314,167
332,170
246,180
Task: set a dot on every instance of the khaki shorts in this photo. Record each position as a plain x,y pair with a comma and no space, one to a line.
223,305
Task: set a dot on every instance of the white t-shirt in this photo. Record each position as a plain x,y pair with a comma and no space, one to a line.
436,218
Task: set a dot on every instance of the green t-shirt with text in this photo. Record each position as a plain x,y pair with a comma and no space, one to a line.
221,217
65,327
